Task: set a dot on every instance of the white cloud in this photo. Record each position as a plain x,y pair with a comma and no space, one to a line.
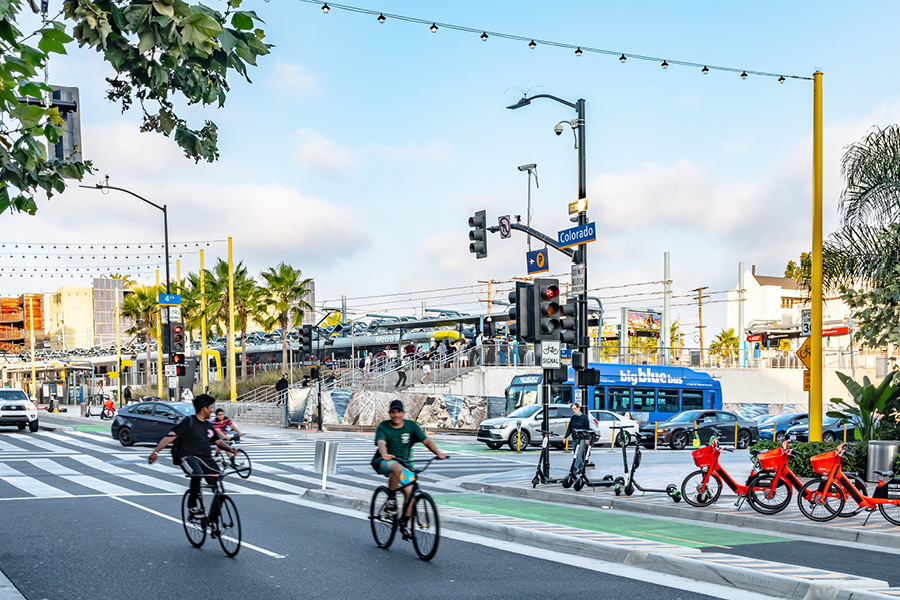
314,151
292,77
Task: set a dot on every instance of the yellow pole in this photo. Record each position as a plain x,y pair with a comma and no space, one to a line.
815,383
655,434
178,275
31,328
845,433
159,365
204,363
232,376
119,344
735,434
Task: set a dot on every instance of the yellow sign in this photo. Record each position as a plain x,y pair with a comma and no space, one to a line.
804,353
113,375
127,363
578,206
806,378
540,260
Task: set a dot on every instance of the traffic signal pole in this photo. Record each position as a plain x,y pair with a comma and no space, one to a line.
580,258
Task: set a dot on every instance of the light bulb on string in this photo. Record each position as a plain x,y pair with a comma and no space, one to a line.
744,75
433,28
578,51
704,70
622,59
664,64
484,36
325,8
532,45
381,18
781,79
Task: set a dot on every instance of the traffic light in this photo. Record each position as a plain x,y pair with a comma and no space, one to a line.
568,314
478,235
177,337
178,361
306,340
520,315
545,324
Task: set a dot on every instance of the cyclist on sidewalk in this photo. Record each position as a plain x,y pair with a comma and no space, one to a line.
395,438
192,453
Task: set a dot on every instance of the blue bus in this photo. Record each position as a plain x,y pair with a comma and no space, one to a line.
648,393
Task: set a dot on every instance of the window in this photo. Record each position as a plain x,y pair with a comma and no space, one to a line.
561,394
165,412
727,417
787,302
600,397
644,399
144,409
691,400
619,399
603,416
667,401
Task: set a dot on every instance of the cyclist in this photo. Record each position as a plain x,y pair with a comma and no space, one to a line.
191,452
395,438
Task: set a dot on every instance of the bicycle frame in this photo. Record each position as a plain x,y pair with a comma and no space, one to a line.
883,490
737,488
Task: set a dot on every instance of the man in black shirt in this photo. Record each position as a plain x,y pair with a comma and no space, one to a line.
281,387
193,455
579,420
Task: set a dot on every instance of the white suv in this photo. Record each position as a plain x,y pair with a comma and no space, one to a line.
16,409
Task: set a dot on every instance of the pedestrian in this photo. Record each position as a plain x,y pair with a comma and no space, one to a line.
479,348
426,370
401,373
409,349
281,387
306,381
187,394
442,354
331,380
126,395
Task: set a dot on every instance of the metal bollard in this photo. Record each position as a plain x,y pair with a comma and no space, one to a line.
655,434
518,437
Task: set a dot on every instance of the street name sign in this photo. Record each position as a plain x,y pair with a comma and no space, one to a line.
537,261
169,299
577,235
550,355
577,206
578,283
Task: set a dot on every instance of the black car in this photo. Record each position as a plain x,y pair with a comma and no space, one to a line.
778,425
832,430
678,431
148,422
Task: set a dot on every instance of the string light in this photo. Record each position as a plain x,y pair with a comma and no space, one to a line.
664,65
705,68
381,18
325,8
532,45
781,79
744,75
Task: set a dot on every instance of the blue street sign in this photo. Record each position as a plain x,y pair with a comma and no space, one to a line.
577,235
565,353
170,299
538,262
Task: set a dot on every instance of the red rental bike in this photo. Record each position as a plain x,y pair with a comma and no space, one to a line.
771,490
823,499
703,487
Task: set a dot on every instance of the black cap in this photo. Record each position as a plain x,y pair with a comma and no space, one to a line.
396,405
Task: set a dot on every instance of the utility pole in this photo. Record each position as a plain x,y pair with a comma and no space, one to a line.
489,283
700,298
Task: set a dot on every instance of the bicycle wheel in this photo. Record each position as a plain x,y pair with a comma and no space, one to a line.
819,505
241,463
384,525
697,494
891,512
765,499
229,524
852,507
425,527
194,529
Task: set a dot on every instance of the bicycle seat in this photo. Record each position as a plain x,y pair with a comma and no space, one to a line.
885,474
755,452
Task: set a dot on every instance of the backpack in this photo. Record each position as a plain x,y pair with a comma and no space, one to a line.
362,363
176,452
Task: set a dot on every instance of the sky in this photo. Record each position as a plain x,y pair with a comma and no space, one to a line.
360,150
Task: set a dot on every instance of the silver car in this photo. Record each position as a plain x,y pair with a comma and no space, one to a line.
497,432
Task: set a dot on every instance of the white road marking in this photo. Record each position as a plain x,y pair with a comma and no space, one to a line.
30,485
87,481
109,469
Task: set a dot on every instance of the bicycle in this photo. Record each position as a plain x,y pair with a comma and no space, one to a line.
771,490
240,462
228,522
827,500
704,486
424,525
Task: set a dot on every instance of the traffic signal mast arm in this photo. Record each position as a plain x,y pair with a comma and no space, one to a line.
535,234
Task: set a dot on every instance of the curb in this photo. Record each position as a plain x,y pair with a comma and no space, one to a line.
840,534
683,562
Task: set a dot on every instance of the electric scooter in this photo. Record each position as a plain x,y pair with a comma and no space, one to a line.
629,485
539,474
577,478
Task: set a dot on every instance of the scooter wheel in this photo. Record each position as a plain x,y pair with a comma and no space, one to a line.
567,481
629,490
676,497
607,477
578,485
534,482
671,489
618,490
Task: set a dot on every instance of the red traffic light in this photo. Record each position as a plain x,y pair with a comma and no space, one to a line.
549,292
177,329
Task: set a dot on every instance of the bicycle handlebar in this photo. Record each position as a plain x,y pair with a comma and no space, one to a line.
417,471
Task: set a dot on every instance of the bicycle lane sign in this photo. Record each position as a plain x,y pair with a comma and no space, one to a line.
550,355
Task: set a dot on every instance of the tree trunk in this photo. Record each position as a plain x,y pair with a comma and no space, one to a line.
284,343
147,356
244,348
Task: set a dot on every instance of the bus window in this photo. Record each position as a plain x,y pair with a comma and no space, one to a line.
520,395
619,399
710,400
599,398
667,401
691,400
644,399
560,394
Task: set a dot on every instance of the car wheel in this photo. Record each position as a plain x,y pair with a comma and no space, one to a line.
519,439
779,437
743,439
827,437
679,440
126,438
494,445
33,426
21,426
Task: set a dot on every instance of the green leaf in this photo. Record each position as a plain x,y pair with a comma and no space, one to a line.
29,116
4,8
49,45
164,9
203,24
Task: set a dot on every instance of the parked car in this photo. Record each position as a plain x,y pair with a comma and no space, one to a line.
778,425
603,422
832,430
496,432
678,431
16,409
148,422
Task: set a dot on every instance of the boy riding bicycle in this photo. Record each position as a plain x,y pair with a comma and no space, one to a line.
395,438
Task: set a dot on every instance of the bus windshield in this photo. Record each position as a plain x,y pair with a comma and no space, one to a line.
520,395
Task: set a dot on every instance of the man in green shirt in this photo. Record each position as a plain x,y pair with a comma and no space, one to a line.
395,438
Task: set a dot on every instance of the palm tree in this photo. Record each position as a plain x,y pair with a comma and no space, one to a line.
246,302
285,290
127,282
725,344
142,308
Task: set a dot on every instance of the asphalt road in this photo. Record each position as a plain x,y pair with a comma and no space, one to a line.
88,548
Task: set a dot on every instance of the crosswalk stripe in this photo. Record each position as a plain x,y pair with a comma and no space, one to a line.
103,439
153,482
7,447
54,468
34,440
28,484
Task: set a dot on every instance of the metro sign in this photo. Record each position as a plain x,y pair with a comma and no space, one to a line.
836,331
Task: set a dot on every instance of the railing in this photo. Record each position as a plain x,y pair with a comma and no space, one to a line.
713,358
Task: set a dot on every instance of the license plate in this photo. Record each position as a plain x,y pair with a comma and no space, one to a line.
893,490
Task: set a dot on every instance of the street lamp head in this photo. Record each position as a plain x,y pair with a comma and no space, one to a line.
528,167
523,101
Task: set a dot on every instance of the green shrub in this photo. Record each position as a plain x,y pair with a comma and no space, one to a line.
799,462
888,430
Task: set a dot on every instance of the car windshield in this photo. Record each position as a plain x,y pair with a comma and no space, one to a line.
13,395
691,415
782,419
185,409
524,412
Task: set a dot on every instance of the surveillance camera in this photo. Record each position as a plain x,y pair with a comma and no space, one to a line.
558,129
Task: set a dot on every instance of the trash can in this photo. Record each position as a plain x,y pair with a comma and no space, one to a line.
325,461
882,456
